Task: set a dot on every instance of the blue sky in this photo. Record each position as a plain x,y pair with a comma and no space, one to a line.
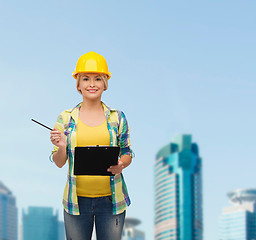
177,67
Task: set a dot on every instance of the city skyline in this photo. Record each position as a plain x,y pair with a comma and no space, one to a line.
178,190
238,221
40,223
131,231
8,214
176,69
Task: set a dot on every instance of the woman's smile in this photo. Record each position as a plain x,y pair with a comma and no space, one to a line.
92,90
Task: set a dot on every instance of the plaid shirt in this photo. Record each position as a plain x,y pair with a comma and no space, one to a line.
119,136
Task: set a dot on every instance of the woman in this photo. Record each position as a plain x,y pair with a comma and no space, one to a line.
92,199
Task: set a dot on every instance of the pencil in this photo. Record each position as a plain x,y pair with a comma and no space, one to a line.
41,124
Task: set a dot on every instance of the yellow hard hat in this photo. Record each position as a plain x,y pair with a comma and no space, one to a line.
91,62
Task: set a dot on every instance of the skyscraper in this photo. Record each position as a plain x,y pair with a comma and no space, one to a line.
238,222
40,223
129,230
178,191
8,214
61,231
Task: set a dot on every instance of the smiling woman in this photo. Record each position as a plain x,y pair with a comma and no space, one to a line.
86,77
102,200
90,85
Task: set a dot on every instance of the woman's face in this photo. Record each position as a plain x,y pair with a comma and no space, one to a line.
91,85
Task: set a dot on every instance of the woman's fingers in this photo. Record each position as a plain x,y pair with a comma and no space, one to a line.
55,136
116,168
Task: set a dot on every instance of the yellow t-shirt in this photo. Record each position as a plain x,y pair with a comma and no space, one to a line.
92,186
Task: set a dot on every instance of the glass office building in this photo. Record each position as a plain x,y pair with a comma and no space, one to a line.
178,191
61,231
40,223
8,214
238,222
129,230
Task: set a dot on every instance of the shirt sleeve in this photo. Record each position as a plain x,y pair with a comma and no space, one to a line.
124,137
60,127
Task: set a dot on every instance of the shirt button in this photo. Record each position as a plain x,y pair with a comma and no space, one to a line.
113,192
112,179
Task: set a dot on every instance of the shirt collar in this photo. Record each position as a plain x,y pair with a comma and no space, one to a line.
75,111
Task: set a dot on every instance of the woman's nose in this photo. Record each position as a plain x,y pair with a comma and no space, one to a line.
92,84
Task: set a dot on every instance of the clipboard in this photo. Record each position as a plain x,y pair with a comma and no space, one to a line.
95,160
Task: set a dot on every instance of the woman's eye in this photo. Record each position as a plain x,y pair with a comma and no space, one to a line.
98,79
85,79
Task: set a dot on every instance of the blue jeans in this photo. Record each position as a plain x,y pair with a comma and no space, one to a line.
98,210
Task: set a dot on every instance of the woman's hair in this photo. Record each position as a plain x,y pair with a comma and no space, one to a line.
103,77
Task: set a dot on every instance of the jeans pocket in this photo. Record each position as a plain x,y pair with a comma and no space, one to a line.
110,198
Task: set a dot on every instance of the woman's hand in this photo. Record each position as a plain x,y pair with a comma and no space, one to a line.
116,169
58,138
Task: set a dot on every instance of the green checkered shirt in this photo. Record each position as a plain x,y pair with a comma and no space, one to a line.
119,136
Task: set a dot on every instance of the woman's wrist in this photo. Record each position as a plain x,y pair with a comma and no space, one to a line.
60,156
126,160
63,147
